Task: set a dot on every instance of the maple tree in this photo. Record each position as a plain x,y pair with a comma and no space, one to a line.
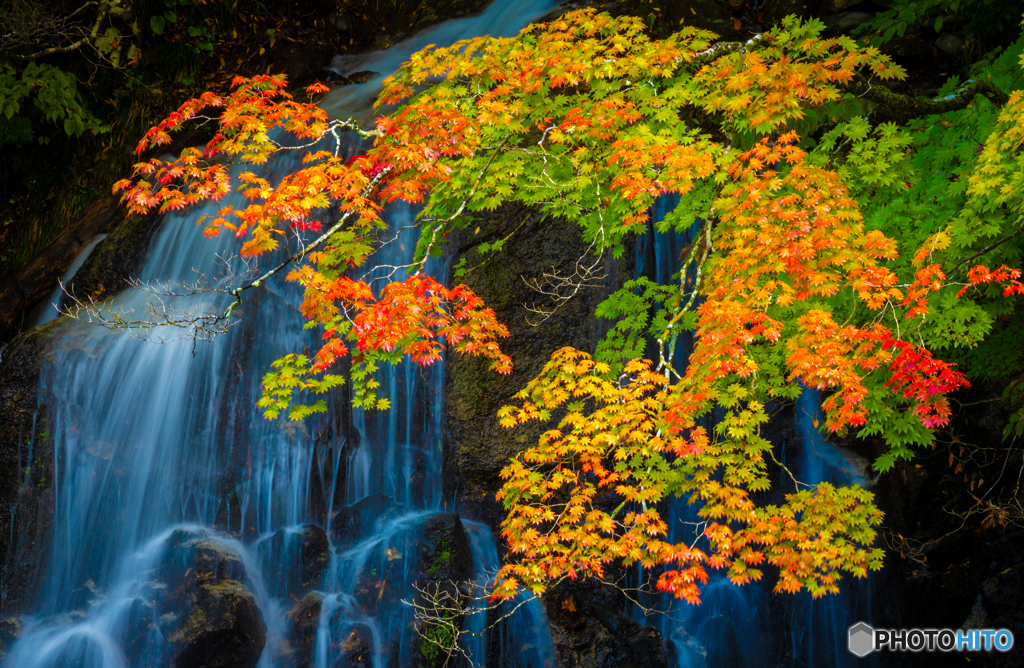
786,285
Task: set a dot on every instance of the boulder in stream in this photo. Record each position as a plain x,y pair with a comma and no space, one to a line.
299,555
303,621
352,523
218,625
10,629
356,649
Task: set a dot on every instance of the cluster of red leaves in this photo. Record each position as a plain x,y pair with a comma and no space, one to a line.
980,274
917,375
418,316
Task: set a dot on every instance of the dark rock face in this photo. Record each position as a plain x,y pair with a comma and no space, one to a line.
26,464
36,280
478,447
600,633
218,626
298,558
354,522
116,260
591,628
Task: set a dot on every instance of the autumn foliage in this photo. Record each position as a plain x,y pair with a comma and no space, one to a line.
784,287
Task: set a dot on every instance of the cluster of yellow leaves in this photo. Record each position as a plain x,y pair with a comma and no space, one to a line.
563,522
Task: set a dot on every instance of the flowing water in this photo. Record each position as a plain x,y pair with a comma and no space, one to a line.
163,465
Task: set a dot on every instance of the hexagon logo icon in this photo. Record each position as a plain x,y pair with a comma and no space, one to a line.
862,639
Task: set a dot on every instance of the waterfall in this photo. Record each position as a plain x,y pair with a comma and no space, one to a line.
817,629
169,484
734,625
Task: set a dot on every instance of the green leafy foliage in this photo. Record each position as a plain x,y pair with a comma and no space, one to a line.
294,374
53,92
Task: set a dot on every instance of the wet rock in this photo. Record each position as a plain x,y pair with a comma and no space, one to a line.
303,620
218,625
117,259
356,649
10,630
445,554
314,555
298,557
846,22
229,514
362,76
949,44
355,522
193,556
138,630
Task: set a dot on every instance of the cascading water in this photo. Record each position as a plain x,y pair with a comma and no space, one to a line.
817,629
172,493
732,626
48,309
171,490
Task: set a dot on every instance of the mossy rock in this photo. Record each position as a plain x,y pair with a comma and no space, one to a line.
303,621
10,631
193,556
445,564
218,625
477,447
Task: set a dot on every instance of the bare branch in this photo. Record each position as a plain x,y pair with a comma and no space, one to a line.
27,24
560,288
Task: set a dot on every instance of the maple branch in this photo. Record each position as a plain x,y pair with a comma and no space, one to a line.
198,327
997,244
905,107
705,248
713,52
462,206
103,12
311,247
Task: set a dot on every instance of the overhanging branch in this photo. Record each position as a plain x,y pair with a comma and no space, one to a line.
897,107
